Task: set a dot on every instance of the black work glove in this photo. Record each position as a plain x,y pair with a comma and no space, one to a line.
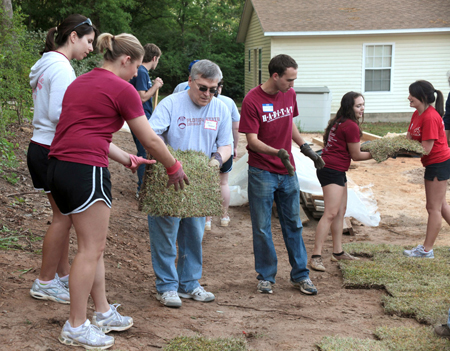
307,151
284,157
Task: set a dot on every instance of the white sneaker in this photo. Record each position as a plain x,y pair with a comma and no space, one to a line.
208,225
90,337
65,282
169,298
199,294
114,322
53,291
419,251
225,221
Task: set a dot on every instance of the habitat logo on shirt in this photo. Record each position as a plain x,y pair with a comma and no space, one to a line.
281,113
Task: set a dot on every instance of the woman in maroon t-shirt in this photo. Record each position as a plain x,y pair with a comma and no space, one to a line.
342,144
427,127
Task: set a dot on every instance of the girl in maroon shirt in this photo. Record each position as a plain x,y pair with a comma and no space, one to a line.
342,144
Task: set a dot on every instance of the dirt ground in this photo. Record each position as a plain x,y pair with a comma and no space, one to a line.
285,320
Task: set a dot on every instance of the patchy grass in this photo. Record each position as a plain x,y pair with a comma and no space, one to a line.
390,339
200,198
382,149
382,128
184,343
12,240
417,288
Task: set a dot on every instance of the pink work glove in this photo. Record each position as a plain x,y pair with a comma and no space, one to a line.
177,176
136,161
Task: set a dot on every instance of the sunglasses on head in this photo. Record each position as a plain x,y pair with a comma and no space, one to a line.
204,89
88,22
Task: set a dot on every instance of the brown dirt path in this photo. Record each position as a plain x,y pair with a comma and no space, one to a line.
285,320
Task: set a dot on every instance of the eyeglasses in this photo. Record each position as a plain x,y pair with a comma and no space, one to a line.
88,22
204,89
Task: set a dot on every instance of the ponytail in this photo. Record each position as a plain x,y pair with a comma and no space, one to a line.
114,46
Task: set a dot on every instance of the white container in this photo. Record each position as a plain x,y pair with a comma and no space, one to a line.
314,108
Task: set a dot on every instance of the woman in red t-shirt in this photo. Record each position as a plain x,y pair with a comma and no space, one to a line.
427,127
95,106
342,144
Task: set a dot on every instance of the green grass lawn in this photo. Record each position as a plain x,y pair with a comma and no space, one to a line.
382,128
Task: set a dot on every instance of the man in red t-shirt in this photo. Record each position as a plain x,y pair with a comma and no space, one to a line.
267,119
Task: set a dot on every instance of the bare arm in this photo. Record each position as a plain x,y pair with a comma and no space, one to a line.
297,137
258,146
118,155
428,145
146,95
235,137
356,154
225,152
150,140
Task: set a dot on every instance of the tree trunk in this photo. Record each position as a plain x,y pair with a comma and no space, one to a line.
7,8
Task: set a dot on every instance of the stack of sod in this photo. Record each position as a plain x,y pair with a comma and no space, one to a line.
199,199
382,149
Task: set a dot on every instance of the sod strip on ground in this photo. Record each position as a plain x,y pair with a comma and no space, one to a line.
390,339
198,199
382,149
185,343
416,287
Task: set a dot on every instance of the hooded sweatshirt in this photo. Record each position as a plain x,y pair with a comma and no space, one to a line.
49,79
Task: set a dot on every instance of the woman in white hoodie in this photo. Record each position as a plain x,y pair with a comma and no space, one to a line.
50,76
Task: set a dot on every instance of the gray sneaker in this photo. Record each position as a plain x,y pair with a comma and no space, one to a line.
306,286
169,299
53,291
115,322
64,282
198,294
90,337
265,287
419,251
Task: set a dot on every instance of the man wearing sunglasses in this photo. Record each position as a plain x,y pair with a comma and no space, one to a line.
189,120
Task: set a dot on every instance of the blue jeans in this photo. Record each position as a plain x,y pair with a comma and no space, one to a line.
165,232
143,153
448,320
263,188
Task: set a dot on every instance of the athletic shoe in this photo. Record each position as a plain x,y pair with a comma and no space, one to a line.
53,291
169,299
208,225
90,337
316,263
64,282
306,286
443,331
198,294
225,221
344,256
419,251
115,322
265,287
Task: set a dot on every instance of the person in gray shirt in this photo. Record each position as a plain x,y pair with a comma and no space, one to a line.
190,120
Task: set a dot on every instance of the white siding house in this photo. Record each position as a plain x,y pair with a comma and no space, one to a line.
360,47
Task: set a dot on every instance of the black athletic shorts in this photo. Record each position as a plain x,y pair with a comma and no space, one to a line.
76,186
227,166
37,161
331,176
439,170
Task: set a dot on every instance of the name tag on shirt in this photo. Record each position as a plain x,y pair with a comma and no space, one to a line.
267,107
211,125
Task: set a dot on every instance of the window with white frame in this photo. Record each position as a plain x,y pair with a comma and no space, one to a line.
378,67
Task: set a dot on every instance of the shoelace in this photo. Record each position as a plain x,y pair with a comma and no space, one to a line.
171,293
199,290
94,331
116,314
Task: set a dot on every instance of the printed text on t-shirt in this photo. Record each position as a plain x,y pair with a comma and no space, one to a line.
283,112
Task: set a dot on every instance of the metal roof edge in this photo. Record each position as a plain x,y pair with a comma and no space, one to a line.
358,32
